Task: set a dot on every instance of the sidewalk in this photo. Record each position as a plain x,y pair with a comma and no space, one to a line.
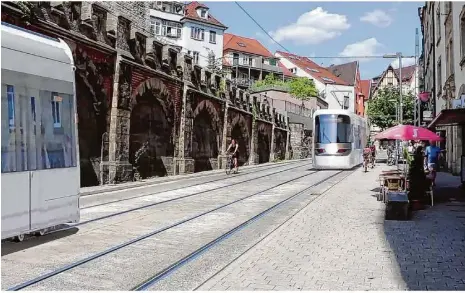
84,191
342,242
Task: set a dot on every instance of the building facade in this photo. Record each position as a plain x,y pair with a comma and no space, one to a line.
192,27
145,109
338,93
350,72
248,61
443,59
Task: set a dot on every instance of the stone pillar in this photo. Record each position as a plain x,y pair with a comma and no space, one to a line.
118,167
288,139
224,142
273,142
297,135
184,162
253,158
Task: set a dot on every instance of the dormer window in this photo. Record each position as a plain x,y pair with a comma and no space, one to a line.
202,12
313,70
328,80
241,44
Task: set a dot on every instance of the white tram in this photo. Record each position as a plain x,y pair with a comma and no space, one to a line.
40,162
339,137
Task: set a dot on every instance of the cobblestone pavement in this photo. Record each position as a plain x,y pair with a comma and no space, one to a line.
343,243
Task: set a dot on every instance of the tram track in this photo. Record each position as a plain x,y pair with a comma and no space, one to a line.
145,285
176,198
223,177
107,251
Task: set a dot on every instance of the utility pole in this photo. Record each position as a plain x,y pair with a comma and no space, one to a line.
401,116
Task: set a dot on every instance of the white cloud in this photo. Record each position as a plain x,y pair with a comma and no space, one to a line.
405,62
368,47
378,18
313,27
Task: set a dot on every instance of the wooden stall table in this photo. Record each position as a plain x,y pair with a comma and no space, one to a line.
392,183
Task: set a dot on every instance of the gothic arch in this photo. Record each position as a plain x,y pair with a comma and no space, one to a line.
151,128
240,121
206,136
210,108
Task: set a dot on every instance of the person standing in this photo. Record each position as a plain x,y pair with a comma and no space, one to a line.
432,158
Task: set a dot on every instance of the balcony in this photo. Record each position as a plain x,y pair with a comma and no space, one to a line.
254,63
242,82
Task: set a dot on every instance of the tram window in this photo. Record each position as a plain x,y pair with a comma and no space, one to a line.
14,133
330,128
56,141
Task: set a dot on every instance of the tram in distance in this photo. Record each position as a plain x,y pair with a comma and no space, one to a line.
40,161
339,137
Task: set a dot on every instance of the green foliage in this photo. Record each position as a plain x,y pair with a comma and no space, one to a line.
303,88
222,86
382,108
300,87
27,9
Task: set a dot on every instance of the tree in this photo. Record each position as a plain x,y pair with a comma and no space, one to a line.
300,87
303,88
382,108
214,64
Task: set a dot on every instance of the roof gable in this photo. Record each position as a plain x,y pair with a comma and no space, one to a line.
191,14
246,45
310,67
346,71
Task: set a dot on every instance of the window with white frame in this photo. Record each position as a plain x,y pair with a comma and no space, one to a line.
213,37
197,33
160,27
196,57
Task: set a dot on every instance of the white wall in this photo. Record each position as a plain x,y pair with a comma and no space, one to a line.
331,90
201,46
440,53
459,71
335,96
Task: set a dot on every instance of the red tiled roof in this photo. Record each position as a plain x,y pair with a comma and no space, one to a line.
191,13
366,87
251,46
309,66
286,71
407,72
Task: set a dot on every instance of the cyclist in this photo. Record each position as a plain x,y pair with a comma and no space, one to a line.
235,147
373,153
366,154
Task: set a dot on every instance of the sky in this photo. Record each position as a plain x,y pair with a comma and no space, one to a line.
329,29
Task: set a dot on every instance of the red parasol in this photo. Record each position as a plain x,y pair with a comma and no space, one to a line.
408,132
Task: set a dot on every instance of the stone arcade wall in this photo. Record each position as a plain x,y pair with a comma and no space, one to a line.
144,109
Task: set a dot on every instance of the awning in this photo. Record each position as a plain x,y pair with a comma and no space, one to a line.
448,117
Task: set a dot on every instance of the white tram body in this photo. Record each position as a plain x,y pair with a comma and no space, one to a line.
40,161
339,137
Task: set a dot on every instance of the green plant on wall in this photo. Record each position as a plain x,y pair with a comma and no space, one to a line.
300,87
27,10
254,112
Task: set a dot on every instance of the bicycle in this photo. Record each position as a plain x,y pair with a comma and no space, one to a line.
229,164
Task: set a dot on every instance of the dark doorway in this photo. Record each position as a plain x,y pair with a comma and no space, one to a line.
150,139
263,147
243,140
204,141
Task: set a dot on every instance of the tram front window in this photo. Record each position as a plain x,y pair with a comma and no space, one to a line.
332,128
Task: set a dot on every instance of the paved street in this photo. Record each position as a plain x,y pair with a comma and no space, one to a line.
343,243
331,236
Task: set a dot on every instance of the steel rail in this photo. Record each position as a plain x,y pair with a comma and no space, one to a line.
178,188
173,199
140,238
177,265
